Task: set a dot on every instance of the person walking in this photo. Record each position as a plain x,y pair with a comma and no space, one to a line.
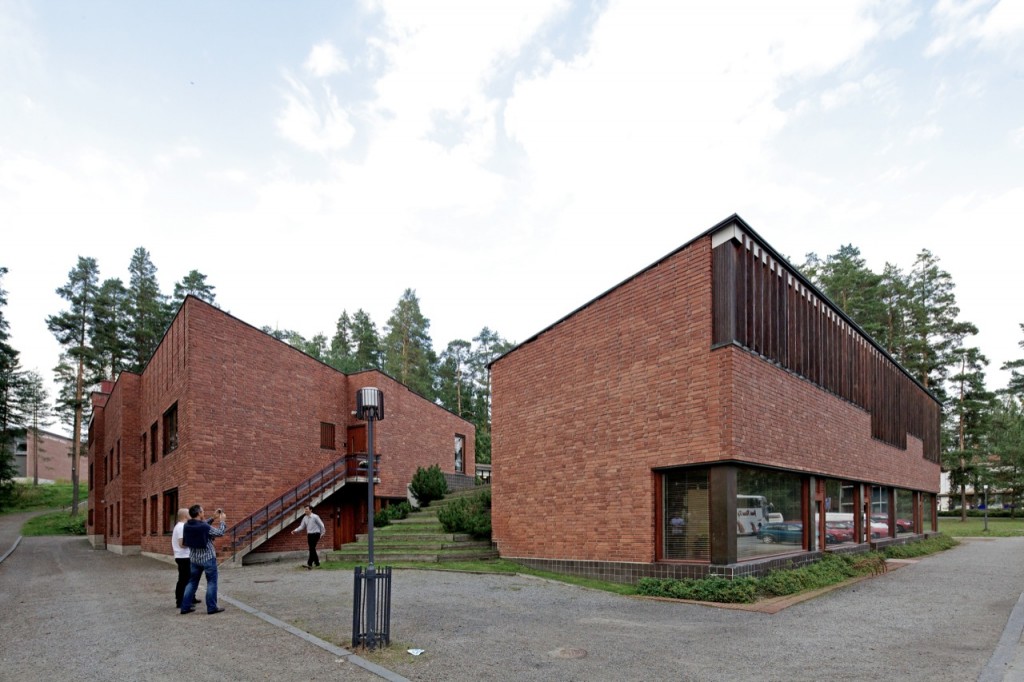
314,529
198,535
181,558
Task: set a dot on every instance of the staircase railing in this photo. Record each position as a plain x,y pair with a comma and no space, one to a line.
283,509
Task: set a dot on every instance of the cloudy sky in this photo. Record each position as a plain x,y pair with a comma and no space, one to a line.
507,160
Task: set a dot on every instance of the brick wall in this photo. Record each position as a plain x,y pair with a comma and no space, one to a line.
784,421
585,412
249,425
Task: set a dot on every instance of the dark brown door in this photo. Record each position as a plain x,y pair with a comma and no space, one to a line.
344,525
357,439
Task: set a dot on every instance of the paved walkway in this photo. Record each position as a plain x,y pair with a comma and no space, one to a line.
65,608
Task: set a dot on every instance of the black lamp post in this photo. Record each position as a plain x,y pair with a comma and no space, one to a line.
370,406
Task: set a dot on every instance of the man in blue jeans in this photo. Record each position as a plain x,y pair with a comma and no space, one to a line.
198,536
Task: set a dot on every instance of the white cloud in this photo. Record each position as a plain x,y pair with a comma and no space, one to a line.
924,132
325,60
315,123
1017,136
183,151
993,26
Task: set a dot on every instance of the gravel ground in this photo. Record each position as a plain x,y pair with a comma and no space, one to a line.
65,608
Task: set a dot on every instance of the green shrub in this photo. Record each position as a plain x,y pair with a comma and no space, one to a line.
390,513
829,570
936,543
470,515
716,589
428,485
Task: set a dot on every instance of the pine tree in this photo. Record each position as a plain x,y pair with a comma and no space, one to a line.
10,377
846,279
149,313
1007,444
489,346
110,328
455,379
367,342
408,354
194,284
1016,385
73,329
894,300
934,333
969,412
37,413
339,355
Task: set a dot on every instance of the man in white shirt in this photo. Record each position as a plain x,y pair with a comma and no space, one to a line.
181,558
314,529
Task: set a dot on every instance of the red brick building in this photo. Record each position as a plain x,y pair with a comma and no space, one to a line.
226,416
48,456
714,413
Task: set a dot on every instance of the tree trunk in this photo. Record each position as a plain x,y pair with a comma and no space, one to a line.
76,445
35,452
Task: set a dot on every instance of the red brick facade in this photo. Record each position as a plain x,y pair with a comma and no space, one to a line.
588,412
51,452
249,411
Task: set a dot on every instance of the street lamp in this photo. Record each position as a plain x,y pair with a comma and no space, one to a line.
370,407
986,507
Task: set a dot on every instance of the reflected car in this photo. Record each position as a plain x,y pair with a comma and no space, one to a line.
838,531
902,525
788,532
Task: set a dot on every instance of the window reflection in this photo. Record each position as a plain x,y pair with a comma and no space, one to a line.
769,518
686,527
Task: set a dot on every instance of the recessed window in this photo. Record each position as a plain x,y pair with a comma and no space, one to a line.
152,444
460,454
142,439
171,429
117,457
154,514
327,436
170,510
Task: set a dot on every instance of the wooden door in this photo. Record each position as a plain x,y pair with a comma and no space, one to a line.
357,439
344,525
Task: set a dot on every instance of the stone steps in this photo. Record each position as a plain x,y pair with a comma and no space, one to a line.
418,538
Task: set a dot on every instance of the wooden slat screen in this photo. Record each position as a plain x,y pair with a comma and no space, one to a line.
761,305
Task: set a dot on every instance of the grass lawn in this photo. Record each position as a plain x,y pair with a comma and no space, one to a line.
975,527
28,497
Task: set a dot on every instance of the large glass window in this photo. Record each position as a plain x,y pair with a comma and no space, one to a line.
840,508
460,454
879,511
769,513
927,519
904,511
685,519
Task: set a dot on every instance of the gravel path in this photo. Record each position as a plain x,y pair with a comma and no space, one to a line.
65,608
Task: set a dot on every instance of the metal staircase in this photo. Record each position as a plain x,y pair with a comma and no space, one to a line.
285,510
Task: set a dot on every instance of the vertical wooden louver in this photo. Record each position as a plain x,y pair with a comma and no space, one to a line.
760,304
